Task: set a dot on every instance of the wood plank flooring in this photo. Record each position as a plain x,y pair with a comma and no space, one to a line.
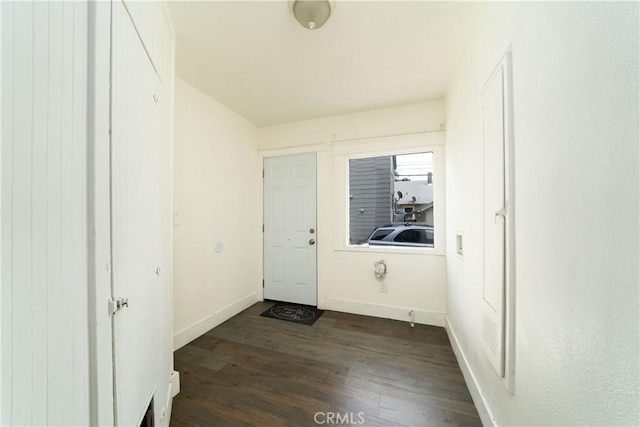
345,369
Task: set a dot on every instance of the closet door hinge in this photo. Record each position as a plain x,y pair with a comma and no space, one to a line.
116,304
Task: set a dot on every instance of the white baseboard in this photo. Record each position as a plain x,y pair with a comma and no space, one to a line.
423,317
485,413
192,332
174,380
172,391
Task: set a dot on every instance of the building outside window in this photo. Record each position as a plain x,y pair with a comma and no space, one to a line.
391,191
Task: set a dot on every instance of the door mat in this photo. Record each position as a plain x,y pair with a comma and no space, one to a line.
297,313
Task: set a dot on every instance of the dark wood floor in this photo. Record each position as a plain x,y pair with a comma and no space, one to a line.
253,370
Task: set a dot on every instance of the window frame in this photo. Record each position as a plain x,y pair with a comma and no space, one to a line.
396,145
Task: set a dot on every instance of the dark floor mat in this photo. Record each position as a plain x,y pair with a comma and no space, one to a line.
297,313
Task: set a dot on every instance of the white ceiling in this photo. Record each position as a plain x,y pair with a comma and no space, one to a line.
254,57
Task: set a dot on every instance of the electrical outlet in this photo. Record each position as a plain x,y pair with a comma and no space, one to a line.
383,287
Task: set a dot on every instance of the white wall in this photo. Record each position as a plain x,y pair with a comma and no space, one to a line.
217,188
45,328
408,119
416,280
576,88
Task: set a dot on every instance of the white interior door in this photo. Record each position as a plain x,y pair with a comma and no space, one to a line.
290,229
495,212
136,224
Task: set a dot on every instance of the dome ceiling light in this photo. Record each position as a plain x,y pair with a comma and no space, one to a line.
312,14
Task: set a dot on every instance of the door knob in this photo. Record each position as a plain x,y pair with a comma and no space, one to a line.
312,242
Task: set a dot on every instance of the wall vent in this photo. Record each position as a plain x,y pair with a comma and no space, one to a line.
490,334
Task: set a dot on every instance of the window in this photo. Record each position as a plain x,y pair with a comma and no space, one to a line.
391,200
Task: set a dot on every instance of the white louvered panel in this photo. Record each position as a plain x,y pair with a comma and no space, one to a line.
44,253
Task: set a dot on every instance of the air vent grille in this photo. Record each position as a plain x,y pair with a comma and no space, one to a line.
490,334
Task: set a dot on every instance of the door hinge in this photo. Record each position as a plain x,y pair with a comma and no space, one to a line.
263,283
115,304
263,228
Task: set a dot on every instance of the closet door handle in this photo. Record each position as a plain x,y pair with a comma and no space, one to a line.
502,212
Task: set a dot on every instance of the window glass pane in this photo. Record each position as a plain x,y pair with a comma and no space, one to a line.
391,191
430,237
412,236
380,234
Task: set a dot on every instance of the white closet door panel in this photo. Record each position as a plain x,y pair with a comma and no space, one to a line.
150,21
494,221
136,238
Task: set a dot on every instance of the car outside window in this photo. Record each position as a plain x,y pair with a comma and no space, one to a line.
380,234
413,236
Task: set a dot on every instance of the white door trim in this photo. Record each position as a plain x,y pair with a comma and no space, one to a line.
101,401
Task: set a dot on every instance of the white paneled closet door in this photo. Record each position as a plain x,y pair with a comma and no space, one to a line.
494,222
497,330
137,255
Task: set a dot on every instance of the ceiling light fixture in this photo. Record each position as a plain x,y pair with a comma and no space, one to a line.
311,14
